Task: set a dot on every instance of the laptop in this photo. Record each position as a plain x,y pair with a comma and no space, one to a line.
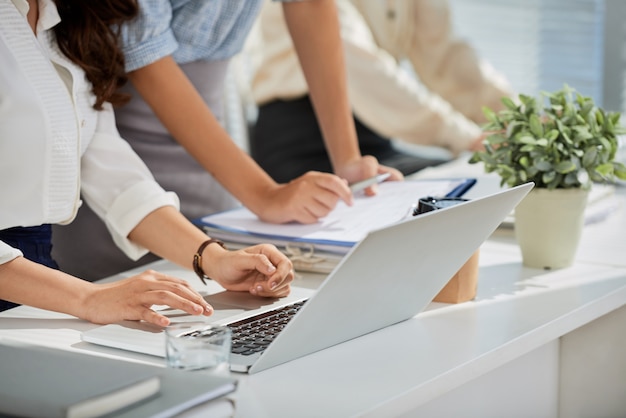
388,277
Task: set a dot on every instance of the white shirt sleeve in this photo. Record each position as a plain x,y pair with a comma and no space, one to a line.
421,32
390,100
117,185
8,253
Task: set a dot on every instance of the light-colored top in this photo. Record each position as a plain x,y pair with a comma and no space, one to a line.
441,109
189,30
55,145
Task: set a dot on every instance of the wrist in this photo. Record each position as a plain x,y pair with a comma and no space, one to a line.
341,162
202,259
83,304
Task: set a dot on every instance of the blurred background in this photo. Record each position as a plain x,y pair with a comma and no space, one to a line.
540,44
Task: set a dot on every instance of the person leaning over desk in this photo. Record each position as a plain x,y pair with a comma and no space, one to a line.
441,107
60,69
177,54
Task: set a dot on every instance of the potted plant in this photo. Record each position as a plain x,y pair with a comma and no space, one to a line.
563,143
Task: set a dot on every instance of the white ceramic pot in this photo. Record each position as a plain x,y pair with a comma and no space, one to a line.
548,226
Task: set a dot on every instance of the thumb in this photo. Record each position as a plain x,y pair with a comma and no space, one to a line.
263,265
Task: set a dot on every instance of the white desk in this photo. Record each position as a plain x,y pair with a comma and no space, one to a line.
533,344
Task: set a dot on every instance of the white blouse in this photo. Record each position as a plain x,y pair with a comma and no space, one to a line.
55,146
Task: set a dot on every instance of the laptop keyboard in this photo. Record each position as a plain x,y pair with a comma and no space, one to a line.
254,334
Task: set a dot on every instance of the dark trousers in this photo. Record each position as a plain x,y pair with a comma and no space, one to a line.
36,244
286,141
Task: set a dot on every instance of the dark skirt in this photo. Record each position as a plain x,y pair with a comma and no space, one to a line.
286,142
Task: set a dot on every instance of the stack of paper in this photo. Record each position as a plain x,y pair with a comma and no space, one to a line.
338,232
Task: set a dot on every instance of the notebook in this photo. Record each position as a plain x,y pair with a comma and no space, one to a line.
389,276
41,381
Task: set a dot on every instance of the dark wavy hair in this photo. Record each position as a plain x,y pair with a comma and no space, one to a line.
89,35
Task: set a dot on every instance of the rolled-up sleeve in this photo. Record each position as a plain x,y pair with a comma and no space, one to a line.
8,253
118,186
150,36
187,30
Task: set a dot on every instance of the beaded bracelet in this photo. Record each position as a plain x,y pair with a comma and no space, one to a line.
197,258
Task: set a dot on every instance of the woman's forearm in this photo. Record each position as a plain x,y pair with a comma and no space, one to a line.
320,53
25,282
189,120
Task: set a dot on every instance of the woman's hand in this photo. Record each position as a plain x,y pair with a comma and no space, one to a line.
132,299
313,195
364,168
304,199
261,270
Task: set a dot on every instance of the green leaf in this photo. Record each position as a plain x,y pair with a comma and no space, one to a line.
491,126
600,117
565,167
506,169
614,117
524,162
535,126
542,165
552,135
557,109
527,101
522,176
608,128
591,120
564,131
527,139
586,107
619,130
596,177
489,160
548,177
605,169
490,115
514,127
510,104
605,143
581,133
619,170
590,156
475,158
496,139
571,179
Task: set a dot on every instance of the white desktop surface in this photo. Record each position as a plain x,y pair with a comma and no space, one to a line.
399,369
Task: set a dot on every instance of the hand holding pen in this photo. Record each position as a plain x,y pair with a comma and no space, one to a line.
360,186
362,174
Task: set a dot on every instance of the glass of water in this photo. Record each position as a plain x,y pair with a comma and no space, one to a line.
197,346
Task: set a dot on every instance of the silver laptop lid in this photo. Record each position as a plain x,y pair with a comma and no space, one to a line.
390,276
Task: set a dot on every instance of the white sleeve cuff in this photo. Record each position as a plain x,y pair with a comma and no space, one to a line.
8,253
130,208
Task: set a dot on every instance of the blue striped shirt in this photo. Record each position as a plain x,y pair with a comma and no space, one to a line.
189,30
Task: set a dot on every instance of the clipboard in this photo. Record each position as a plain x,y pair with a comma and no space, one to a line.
461,188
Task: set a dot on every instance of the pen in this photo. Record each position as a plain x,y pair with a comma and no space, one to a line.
364,184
